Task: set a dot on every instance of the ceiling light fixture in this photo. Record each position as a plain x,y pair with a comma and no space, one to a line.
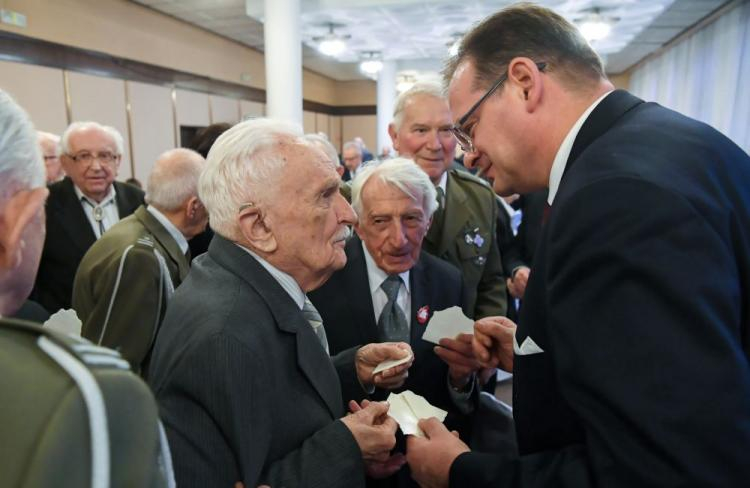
595,26
331,44
454,43
405,82
371,63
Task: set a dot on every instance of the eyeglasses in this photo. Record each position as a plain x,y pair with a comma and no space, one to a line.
462,135
86,158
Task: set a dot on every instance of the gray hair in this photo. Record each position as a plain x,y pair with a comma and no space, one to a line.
353,145
48,136
422,88
244,166
174,179
401,173
79,126
21,166
321,142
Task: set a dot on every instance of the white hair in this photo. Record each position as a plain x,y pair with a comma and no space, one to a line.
79,126
401,173
353,145
48,136
244,166
21,166
174,179
423,88
321,142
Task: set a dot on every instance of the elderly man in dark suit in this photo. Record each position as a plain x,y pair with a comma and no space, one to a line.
127,277
81,207
387,275
463,228
240,368
639,294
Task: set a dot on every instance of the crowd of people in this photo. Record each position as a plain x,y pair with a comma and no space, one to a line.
260,280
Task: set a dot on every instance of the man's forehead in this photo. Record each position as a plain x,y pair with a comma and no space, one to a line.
89,135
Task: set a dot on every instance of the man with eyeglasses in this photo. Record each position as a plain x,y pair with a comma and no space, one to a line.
81,207
50,144
463,228
632,353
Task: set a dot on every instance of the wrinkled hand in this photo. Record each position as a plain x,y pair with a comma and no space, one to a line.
493,342
517,284
430,459
379,469
458,353
373,430
369,356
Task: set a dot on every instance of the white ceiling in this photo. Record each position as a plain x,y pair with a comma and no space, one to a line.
416,33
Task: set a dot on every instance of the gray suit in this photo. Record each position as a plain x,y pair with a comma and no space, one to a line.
245,389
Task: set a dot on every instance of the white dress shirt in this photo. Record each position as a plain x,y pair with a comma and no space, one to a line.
563,152
109,213
285,280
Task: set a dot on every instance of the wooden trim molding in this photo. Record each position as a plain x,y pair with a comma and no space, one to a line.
19,48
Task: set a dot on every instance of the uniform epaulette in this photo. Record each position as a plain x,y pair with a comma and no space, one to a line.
465,175
145,240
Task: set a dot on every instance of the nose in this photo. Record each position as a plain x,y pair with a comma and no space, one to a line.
96,164
344,211
433,141
396,235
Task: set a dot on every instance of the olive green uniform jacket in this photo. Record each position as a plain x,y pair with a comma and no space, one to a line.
123,284
464,235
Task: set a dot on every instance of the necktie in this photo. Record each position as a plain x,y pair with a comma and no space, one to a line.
316,322
545,213
98,215
392,325
437,218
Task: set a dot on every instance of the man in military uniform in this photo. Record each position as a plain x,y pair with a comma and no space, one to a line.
126,278
463,227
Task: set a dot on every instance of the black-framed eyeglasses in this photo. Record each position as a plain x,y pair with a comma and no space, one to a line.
86,158
462,136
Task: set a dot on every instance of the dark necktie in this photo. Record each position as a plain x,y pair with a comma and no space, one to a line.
437,218
545,213
392,325
316,322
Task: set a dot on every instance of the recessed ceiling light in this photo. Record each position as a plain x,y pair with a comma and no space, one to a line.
595,29
371,67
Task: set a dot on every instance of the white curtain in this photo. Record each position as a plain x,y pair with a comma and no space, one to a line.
706,76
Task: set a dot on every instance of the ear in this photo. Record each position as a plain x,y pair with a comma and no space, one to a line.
191,207
526,77
255,231
17,213
394,136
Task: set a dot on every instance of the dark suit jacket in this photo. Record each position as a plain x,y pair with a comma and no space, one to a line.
245,390
471,210
520,250
69,236
345,305
123,285
639,300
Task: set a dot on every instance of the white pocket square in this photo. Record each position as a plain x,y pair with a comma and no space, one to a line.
528,347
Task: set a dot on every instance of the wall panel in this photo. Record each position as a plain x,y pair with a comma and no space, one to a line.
364,126
224,109
192,109
251,109
152,125
39,90
308,122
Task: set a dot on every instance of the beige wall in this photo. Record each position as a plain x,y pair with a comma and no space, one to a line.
131,31
621,80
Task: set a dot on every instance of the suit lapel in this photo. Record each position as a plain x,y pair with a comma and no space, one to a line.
599,121
312,360
417,286
71,213
166,241
453,217
356,291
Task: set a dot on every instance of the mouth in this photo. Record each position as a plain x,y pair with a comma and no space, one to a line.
342,236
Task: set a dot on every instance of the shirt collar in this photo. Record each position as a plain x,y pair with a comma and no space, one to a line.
110,198
170,227
561,158
285,280
377,276
443,183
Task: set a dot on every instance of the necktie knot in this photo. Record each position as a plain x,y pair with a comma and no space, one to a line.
390,286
